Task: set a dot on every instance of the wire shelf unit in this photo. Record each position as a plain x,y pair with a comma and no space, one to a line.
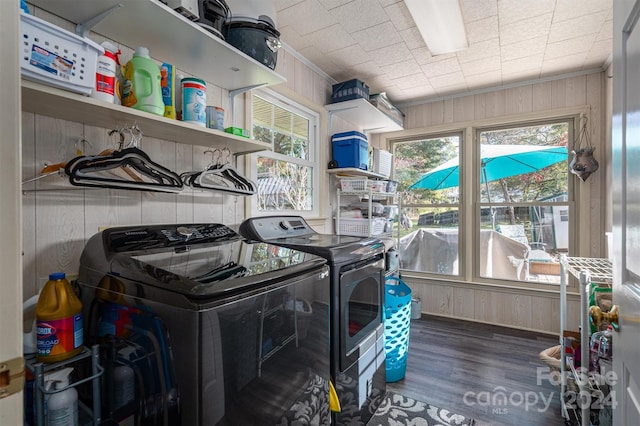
600,270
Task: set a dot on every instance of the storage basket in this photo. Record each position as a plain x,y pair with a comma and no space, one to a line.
360,227
353,184
379,186
348,90
381,162
392,185
57,57
397,323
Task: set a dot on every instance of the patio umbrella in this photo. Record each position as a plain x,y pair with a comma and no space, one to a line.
498,161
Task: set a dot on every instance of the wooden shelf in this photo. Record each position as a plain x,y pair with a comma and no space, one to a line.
361,112
170,38
57,103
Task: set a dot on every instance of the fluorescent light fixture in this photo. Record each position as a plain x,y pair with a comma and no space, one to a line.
440,23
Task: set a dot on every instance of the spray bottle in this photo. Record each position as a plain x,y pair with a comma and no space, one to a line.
62,407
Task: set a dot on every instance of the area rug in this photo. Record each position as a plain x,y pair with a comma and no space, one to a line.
397,410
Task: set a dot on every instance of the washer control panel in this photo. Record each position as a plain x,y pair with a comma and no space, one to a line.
272,227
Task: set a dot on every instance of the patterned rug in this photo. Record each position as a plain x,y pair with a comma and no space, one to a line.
397,410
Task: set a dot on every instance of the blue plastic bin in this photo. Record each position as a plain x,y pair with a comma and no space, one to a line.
350,149
397,323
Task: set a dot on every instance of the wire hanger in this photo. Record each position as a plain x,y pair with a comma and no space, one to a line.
140,172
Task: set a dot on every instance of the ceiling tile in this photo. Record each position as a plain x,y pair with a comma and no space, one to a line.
329,39
410,81
290,36
359,14
399,14
481,66
475,10
480,50
606,32
569,9
422,55
351,55
401,69
434,69
524,30
559,65
332,4
577,27
373,38
366,70
599,53
307,17
532,63
512,11
391,54
385,3
487,79
522,49
569,47
412,38
283,4
420,92
482,30
447,80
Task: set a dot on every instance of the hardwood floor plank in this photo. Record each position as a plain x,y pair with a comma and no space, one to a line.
482,371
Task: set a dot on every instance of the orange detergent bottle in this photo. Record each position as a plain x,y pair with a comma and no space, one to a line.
58,321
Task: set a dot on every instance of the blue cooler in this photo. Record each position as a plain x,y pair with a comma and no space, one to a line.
351,149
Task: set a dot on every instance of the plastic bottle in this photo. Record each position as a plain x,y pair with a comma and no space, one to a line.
141,88
59,333
62,407
106,81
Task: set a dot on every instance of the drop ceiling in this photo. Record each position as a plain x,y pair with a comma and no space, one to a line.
510,42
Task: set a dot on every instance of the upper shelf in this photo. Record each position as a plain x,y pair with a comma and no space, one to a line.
170,38
57,103
352,171
361,112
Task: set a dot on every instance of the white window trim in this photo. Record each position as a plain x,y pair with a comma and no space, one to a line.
467,198
314,151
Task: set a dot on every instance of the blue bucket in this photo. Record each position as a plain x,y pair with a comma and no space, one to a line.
397,322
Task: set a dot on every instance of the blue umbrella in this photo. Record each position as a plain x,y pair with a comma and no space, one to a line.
498,161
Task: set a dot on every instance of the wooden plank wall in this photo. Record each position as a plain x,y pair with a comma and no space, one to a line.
515,307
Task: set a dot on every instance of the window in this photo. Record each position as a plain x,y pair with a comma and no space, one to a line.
285,176
518,217
431,222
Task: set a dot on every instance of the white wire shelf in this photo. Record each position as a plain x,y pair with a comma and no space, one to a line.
600,270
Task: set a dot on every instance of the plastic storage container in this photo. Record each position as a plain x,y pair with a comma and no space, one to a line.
194,101
350,149
348,90
56,57
59,321
141,88
397,323
381,162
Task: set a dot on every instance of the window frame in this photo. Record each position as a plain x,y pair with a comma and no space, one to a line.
314,117
469,215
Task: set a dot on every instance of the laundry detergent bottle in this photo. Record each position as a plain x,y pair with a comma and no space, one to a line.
59,332
142,88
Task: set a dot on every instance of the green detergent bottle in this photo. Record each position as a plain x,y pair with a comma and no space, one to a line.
141,88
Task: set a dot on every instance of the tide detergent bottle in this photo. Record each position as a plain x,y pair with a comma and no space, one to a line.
141,88
59,332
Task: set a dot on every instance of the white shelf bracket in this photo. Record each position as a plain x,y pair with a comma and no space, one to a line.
232,98
83,28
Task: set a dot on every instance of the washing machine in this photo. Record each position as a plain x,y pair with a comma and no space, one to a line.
197,326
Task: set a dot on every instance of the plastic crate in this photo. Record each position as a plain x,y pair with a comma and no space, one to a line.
360,227
353,184
381,162
348,90
377,186
56,57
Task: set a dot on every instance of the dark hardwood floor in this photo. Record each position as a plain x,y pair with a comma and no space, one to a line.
482,371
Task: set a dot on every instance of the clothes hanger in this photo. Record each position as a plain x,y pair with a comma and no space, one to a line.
219,177
140,172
